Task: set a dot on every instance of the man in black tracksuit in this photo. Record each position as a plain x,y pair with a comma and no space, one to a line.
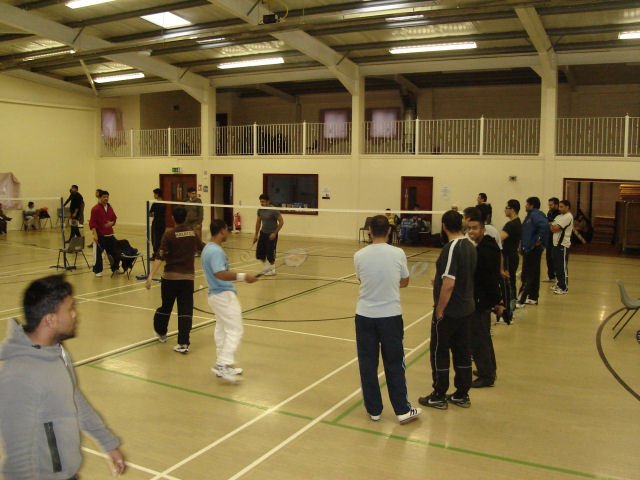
487,297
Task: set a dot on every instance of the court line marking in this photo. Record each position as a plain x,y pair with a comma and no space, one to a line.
129,464
273,409
319,418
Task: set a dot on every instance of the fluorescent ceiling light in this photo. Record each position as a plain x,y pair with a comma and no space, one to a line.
37,56
629,35
381,8
119,78
436,47
252,63
85,3
211,40
166,20
404,18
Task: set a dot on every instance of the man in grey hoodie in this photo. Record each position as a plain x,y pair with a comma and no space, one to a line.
42,409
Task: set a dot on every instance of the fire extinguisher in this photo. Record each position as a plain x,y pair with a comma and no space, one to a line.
237,222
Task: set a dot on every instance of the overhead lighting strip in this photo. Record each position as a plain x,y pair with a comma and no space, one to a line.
251,63
166,20
629,35
436,47
85,3
119,78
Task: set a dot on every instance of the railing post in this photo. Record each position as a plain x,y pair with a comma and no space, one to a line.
481,134
131,142
416,137
626,135
304,138
169,141
255,139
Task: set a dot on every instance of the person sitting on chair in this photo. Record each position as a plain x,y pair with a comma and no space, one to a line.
31,218
3,221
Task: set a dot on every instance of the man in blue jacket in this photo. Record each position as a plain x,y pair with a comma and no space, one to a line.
534,241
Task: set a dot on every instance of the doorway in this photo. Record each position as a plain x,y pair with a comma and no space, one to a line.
174,188
417,191
222,193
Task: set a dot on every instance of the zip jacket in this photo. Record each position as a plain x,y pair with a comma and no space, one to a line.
42,411
100,217
535,229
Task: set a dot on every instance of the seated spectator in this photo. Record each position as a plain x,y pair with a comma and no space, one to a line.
3,221
582,229
406,224
31,218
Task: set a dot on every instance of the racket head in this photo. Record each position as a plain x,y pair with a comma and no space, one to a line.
295,257
418,269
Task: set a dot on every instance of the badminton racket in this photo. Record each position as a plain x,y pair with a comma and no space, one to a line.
291,258
418,269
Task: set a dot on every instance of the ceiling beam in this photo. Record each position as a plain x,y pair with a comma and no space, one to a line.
406,83
50,81
531,22
275,92
339,65
193,84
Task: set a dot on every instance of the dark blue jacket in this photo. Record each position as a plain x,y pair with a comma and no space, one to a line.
535,228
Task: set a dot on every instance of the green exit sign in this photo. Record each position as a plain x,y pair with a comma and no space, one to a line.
176,169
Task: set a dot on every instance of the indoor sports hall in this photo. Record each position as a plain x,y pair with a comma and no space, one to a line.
339,111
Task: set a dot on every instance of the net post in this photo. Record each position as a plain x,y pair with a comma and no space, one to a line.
148,241
62,220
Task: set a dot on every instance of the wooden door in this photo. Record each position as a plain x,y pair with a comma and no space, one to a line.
417,191
222,193
174,188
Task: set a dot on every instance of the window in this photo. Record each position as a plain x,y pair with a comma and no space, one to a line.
384,122
292,190
335,123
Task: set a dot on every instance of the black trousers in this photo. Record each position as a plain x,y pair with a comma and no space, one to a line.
107,244
157,230
374,335
511,263
172,290
451,334
561,266
482,346
531,274
551,271
266,249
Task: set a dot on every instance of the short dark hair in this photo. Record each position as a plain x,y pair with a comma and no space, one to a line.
157,191
452,220
30,204
566,203
191,189
74,186
179,214
264,196
43,296
514,205
554,200
217,225
473,214
99,191
379,226
534,202
483,196
103,193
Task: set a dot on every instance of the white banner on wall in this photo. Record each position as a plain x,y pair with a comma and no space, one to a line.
9,188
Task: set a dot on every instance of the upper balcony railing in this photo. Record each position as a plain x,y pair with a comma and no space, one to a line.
593,136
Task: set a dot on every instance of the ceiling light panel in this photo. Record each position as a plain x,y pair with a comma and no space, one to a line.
166,20
436,47
629,35
251,63
119,78
85,3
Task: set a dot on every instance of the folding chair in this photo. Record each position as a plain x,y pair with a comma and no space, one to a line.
75,246
630,305
134,259
363,233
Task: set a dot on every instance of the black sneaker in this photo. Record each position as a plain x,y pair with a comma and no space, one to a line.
482,382
464,402
433,401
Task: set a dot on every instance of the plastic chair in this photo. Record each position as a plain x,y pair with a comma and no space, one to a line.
363,233
630,304
75,246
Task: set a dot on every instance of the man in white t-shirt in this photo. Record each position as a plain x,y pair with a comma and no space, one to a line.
382,271
562,226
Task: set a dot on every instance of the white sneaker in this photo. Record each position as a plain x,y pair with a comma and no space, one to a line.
269,272
375,418
99,274
228,373
184,349
528,301
410,416
161,338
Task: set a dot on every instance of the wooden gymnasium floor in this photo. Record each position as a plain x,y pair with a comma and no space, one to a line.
556,412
